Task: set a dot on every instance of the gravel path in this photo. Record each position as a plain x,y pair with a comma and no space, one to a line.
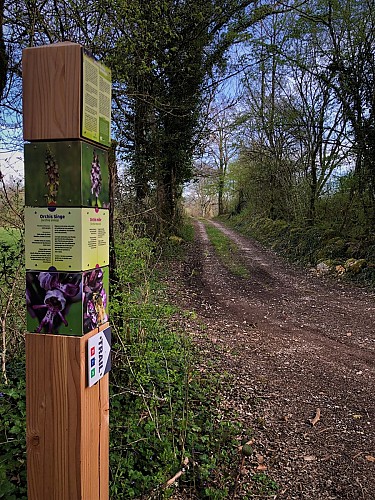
292,343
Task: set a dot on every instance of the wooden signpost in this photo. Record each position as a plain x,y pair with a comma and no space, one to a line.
66,111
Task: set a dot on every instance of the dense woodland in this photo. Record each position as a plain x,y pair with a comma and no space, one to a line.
265,105
261,111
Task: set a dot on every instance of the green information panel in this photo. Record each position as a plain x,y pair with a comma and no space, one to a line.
67,303
64,239
96,100
66,174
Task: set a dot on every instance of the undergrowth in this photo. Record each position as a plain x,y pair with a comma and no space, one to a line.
309,245
13,432
12,375
163,411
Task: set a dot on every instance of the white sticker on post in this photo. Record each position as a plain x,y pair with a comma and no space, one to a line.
98,356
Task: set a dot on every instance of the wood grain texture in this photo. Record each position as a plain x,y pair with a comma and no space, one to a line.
65,421
36,414
52,91
104,437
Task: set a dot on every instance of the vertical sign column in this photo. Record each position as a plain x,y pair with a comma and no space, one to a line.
67,110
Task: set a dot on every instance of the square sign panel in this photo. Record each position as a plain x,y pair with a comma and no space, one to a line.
96,101
67,303
98,356
66,174
66,94
62,239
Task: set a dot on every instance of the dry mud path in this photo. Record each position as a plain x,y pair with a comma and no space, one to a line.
292,342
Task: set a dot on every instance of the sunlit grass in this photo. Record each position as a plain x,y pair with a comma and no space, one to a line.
227,251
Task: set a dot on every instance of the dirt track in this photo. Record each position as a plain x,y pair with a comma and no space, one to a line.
293,342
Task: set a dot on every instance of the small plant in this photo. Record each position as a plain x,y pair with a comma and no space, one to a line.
12,434
53,178
263,485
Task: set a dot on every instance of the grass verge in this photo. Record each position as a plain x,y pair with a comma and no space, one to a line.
310,245
227,251
164,412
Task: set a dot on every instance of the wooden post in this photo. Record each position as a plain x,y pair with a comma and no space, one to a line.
67,422
67,105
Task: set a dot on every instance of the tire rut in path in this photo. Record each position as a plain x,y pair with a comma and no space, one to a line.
293,342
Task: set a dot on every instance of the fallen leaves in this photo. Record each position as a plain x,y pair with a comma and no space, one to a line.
261,465
300,450
316,419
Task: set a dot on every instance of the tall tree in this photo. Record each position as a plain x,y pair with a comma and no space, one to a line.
3,53
351,28
163,56
221,143
269,145
166,62
346,64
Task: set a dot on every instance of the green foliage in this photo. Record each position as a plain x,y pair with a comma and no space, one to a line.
263,485
9,236
12,376
12,297
174,53
307,145
13,433
162,409
310,245
186,231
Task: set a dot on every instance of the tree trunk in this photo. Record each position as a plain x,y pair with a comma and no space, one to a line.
221,194
168,208
3,54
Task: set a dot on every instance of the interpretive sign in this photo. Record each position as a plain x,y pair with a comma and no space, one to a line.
66,94
66,174
66,239
98,356
66,119
67,303
96,100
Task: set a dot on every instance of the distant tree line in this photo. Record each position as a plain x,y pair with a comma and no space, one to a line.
304,121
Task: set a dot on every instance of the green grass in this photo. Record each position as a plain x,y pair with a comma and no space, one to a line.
162,409
9,236
309,245
227,251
